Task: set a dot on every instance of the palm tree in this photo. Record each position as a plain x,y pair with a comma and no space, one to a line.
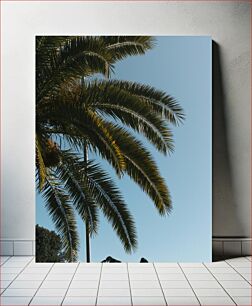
79,111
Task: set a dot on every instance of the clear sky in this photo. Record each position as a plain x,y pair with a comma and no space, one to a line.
180,66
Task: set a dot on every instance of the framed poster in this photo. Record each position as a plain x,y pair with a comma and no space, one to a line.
123,148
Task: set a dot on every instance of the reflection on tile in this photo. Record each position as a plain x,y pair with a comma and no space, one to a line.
47,300
210,292
140,300
80,301
125,301
216,301
11,301
178,292
182,301
25,284
19,292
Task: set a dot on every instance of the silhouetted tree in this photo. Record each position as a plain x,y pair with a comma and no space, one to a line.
48,246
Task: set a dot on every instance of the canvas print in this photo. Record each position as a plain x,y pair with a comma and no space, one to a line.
123,149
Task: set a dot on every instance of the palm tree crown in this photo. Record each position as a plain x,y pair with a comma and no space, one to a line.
78,110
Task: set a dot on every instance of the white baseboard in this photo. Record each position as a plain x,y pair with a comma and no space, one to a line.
17,247
222,247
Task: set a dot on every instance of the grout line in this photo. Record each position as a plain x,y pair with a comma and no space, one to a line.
96,300
16,276
9,257
220,284
131,298
238,273
246,258
160,284
41,283
70,283
189,283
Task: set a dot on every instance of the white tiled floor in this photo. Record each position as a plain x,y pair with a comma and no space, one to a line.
24,282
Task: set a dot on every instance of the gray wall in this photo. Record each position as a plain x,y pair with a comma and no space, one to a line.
229,25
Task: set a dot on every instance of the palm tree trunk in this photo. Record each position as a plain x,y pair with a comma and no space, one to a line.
85,155
87,243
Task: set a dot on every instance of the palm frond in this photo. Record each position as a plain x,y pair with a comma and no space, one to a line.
141,167
71,174
62,214
110,200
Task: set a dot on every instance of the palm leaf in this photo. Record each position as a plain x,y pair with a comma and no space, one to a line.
62,214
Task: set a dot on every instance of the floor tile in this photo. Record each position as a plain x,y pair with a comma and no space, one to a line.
51,292
69,265
195,270
114,292
140,300
9,270
21,258
15,300
102,300
235,284
237,259
248,277
59,277
146,292
229,276
85,276
29,270
55,284
246,301
40,265
30,276
114,284
4,259
243,270
5,283
166,265
14,264
190,300
143,264
62,271
168,270
144,284
239,291
217,264
142,270
84,284
139,276
204,284
200,276
89,270
241,264
19,292
176,276
178,292
115,264
82,292
219,270
81,300
174,284
210,292
47,300
191,265
118,276
216,301
9,276
25,284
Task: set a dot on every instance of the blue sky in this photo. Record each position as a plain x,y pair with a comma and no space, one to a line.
180,66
